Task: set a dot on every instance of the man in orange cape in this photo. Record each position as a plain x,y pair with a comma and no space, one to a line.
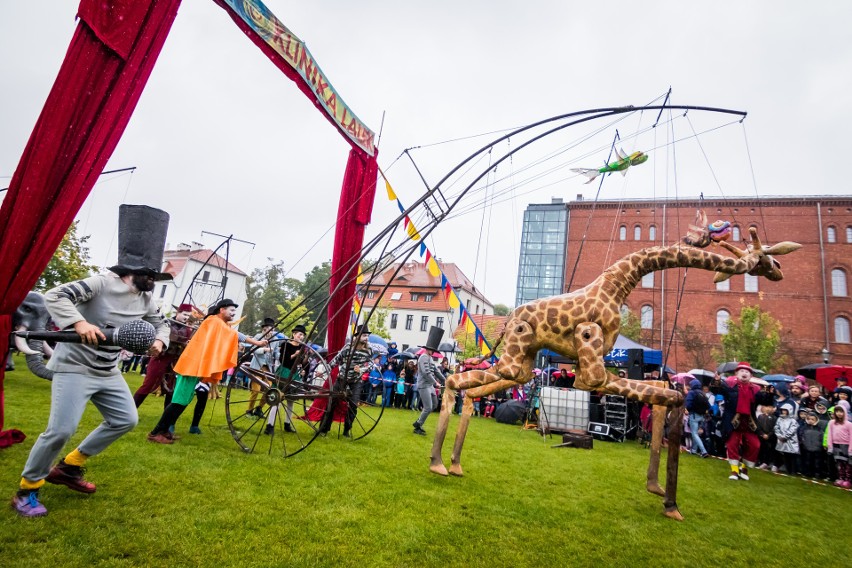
212,350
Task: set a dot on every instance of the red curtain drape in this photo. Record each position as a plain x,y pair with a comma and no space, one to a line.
107,65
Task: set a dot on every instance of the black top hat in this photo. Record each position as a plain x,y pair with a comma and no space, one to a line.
362,329
268,322
435,335
300,327
141,240
222,304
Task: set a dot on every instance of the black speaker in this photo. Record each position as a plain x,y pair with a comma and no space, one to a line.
635,364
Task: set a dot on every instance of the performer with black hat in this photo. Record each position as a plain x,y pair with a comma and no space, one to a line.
292,367
354,360
89,371
212,350
428,377
159,368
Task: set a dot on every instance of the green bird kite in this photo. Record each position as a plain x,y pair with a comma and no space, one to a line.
624,161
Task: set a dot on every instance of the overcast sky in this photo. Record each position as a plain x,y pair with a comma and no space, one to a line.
224,143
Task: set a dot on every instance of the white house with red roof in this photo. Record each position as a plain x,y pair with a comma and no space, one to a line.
416,301
202,271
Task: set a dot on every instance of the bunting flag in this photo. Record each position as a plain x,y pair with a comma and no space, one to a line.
357,301
465,321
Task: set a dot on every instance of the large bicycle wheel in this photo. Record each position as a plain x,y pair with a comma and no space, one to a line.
279,414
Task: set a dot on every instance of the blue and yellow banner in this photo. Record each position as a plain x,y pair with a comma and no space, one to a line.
465,321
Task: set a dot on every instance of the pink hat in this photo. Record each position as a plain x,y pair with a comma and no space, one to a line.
744,365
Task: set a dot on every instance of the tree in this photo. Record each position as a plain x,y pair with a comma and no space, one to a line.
378,321
294,314
315,289
70,261
467,341
266,289
754,337
502,310
695,346
631,327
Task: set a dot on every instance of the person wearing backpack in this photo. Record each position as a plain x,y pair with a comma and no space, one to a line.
697,406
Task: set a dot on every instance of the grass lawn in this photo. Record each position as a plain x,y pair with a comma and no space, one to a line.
202,502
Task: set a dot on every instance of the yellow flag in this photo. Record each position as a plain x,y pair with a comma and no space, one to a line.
391,194
412,231
485,349
433,267
470,326
453,300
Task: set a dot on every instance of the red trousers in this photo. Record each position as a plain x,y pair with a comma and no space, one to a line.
743,436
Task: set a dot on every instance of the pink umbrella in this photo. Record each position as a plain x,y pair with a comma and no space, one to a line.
682,378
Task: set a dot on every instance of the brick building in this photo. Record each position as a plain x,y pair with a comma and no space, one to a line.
812,302
415,301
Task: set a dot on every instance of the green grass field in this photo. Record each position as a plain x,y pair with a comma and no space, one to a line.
202,502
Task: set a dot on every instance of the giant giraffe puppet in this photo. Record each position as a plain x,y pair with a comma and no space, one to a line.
583,325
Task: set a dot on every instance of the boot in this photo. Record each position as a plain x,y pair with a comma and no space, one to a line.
71,476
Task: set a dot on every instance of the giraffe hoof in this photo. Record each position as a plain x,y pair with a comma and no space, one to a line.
439,469
655,489
456,470
673,514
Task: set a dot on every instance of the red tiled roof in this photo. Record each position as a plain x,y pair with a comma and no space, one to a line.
415,277
175,261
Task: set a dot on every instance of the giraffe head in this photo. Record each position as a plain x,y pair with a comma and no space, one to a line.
767,266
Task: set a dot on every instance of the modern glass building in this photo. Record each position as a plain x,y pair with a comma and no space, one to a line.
541,267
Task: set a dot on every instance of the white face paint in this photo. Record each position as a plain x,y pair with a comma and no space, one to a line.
229,314
182,317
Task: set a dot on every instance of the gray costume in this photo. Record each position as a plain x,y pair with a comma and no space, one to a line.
427,375
90,372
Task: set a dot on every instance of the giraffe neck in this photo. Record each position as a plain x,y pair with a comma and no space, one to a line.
627,272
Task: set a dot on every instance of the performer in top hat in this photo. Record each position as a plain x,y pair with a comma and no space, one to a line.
89,371
354,360
429,377
159,372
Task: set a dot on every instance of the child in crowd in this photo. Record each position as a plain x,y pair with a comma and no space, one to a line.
766,432
821,408
786,432
839,438
810,445
399,400
842,396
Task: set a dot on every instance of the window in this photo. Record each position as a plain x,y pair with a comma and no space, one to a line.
415,296
841,330
648,280
849,234
424,323
205,276
163,291
371,294
652,233
838,282
428,297
394,320
622,233
646,317
724,285
409,321
722,317
637,233
396,296
735,234
750,283
439,321
831,235
477,309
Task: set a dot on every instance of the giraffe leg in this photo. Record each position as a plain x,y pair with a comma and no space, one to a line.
513,368
436,464
455,458
588,340
675,433
657,424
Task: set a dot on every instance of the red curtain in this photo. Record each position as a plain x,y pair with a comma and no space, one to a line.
107,65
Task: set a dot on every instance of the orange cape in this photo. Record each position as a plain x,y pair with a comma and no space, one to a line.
212,350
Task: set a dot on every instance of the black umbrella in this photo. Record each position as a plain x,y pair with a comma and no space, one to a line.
510,412
809,371
404,356
448,347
